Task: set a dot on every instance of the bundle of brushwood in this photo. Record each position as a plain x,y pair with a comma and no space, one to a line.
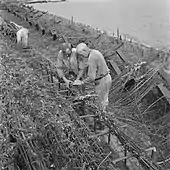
138,103
9,28
39,128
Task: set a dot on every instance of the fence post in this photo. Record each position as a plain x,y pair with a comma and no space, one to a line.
118,32
109,136
72,20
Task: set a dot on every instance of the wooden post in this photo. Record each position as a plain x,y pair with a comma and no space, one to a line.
122,56
109,136
120,38
125,152
51,78
115,67
48,78
118,32
54,36
72,20
142,53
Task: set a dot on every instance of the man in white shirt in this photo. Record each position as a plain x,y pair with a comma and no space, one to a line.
98,72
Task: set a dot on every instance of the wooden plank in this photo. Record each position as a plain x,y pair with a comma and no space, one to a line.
164,91
110,56
121,55
115,66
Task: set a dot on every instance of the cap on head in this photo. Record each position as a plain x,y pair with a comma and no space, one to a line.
82,49
65,46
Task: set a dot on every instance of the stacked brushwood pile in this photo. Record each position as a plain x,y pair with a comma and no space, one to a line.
9,28
40,128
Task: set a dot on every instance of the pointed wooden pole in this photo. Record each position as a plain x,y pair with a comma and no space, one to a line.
72,20
118,32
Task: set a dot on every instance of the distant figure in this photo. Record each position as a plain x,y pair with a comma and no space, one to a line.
22,37
98,72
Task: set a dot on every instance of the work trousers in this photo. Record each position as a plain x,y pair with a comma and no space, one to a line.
102,89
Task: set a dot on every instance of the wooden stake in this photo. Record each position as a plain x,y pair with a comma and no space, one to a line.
104,160
121,159
72,20
125,151
87,116
118,32
109,136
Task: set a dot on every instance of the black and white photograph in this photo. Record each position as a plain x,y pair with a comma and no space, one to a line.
84,84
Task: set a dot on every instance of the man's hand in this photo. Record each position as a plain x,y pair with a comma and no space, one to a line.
68,82
78,83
